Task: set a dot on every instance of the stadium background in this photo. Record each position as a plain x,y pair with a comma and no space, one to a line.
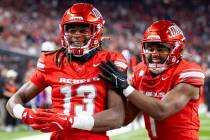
26,25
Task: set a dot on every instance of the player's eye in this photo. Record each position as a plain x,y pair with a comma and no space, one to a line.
151,49
84,31
160,50
71,31
163,50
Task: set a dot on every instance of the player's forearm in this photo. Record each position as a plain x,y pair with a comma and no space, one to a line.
22,96
14,100
113,117
151,106
131,112
107,120
99,122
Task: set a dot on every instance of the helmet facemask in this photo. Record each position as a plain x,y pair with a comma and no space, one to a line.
80,38
155,56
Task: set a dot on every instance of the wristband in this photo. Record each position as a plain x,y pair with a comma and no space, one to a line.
18,110
128,91
85,122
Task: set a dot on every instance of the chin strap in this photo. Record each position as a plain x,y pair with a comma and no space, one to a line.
86,57
158,70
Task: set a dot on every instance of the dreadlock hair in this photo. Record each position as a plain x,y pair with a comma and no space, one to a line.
59,56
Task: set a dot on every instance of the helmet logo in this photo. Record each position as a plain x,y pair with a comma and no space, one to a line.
97,13
77,18
174,30
153,37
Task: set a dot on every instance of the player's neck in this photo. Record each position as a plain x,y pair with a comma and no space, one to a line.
85,57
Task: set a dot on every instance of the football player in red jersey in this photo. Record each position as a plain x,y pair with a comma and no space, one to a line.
81,109
167,88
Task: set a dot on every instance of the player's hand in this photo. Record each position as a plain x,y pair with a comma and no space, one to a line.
113,75
53,122
29,116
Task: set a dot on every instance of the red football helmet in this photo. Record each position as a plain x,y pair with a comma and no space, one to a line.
168,34
84,15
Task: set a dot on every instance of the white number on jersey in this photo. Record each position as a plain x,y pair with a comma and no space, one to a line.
88,92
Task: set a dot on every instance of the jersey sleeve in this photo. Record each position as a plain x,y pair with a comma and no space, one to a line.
41,64
119,60
39,77
192,74
137,74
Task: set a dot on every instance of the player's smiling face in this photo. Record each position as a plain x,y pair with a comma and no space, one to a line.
78,34
156,53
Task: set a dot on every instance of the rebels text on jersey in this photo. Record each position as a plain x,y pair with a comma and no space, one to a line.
76,87
183,125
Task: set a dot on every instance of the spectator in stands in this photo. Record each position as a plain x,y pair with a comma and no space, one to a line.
2,100
9,90
17,33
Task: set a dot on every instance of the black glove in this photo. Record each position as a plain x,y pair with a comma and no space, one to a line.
111,74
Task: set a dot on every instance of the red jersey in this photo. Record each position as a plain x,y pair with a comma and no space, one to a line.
76,87
183,125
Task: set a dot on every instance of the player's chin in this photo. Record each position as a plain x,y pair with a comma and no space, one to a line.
154,61
76,45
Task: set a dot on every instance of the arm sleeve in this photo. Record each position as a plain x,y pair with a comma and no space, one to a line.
193,76
39,79
137,76
120,61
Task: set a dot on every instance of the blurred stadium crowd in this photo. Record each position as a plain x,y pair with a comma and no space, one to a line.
26,25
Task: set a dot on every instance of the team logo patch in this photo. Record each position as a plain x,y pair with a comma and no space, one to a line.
97,13
175,30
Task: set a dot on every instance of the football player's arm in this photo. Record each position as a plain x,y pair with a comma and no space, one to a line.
113,117
131,112
173,101
27,92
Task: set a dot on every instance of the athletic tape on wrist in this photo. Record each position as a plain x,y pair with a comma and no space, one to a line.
128,91
18,111
85,122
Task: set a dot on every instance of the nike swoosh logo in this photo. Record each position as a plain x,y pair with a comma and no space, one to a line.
31,117
63,118
164,78
96,65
